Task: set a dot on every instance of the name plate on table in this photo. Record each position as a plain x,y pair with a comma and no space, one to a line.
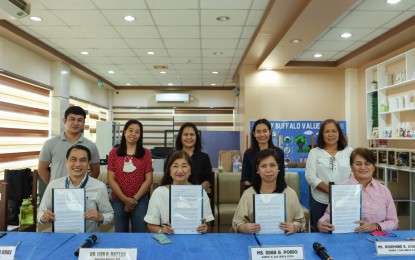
108,253
395,248
7,252
276,252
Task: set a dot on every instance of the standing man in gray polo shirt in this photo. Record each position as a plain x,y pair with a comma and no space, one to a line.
54,150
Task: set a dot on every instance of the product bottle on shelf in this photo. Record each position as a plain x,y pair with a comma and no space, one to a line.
26,212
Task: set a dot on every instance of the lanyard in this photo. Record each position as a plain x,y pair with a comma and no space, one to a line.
82,185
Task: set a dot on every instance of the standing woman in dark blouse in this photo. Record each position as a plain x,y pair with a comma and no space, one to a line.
260,140
188,140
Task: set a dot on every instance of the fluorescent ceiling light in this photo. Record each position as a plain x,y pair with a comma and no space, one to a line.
392,2
111,72
346,35
295,41
84,52
215,72
129,18
318,55
151,52
35,18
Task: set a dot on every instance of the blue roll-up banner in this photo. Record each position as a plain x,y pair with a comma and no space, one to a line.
296,137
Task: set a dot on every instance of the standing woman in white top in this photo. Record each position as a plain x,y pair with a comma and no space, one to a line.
328,162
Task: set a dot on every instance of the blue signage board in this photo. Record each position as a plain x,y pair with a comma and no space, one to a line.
296,137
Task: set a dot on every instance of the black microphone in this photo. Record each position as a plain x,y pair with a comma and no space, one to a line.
89,242
321,251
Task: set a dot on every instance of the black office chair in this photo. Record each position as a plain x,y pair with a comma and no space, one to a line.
22,184
3,206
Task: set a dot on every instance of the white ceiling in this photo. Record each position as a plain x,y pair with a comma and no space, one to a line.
185,34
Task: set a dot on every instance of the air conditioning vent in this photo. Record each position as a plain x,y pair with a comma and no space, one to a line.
14,9
172,97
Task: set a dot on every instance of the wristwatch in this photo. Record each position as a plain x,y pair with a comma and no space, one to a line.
378,227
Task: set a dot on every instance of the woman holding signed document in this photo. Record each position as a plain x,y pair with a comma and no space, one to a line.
378,209
177,206
269,206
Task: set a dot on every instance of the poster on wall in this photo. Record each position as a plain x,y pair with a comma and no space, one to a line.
296,137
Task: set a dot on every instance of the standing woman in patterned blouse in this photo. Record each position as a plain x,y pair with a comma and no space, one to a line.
130,174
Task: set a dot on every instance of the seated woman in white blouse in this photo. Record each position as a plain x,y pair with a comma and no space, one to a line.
178,172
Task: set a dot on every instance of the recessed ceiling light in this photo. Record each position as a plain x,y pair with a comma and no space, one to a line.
35,18
295,41
346,35
163,72
217,53
268,68
318,55
215,72
128,84
170,84
84,53
213,84
392,2
151,52
111,72
223,18
129,18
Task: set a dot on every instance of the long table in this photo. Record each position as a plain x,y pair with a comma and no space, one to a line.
206,246
35,245
339,246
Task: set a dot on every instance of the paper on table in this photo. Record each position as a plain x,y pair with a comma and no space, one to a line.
345,207
186,207
269,211
69,208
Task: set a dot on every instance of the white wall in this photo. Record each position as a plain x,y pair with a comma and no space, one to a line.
87,90
23,62
26,63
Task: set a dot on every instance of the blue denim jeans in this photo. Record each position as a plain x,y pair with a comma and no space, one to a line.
122,218
317,210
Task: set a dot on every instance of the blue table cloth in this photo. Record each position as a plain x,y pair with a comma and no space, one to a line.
339,246
207,246
34,245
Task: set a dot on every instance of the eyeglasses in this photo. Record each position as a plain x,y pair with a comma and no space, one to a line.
332,163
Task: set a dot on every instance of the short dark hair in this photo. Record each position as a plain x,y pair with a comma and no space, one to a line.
79,147
341,143
139,149
256,178
76,110
254,143
365,153
179,144
179,154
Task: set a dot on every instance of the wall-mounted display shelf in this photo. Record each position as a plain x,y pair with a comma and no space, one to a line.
394,83
395,169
